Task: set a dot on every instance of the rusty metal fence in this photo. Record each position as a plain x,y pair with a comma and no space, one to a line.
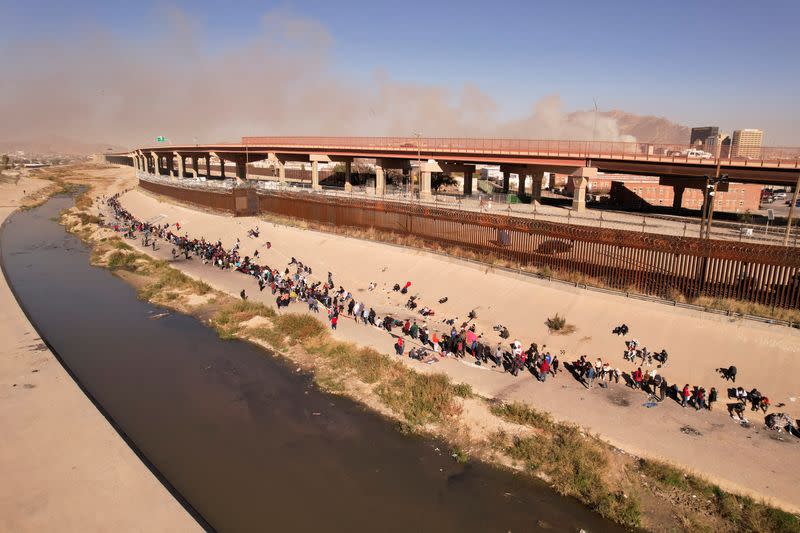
222,200
659,265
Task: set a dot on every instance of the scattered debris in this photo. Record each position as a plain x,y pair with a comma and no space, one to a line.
689,430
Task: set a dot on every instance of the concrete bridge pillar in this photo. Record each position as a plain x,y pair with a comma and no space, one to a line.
425,185
506,181
281,173
181,165
241,171
348,180
426,171
677,197
221,167
521,188
315,186
156,164
380,179
316,159
195,170
467,183
536,186
580,178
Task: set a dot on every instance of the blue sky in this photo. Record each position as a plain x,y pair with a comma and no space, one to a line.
731,63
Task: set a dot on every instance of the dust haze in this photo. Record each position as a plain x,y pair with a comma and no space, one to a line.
284,82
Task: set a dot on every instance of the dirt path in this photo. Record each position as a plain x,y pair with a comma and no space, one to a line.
64,467
736,457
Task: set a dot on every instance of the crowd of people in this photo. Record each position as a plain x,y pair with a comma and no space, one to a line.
449,337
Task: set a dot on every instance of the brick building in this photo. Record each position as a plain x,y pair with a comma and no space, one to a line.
641,192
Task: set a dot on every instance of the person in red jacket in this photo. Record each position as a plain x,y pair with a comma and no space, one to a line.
544,369
685,395
637,378
398,346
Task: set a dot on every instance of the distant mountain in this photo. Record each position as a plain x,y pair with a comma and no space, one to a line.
650,128
57,145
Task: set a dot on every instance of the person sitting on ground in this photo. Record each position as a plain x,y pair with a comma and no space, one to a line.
736,411
729,373
443,300
472,315
404,290
243,295
763,404
740,394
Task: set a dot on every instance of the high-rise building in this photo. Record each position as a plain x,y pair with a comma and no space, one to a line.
721,142
700,135
746,143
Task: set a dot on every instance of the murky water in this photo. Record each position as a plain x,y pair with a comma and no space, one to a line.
246,440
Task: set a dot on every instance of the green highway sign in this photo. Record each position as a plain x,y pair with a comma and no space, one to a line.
161,139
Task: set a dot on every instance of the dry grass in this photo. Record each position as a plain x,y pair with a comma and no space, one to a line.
557,324
741,513
575,464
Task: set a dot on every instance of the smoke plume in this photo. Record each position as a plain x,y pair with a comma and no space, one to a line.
283,81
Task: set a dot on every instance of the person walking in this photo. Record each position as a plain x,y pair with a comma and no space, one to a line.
590,375
686,394
662,389
712,397
544,369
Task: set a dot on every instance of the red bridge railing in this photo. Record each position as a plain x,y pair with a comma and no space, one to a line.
761,157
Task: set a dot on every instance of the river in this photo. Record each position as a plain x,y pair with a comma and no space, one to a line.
244,439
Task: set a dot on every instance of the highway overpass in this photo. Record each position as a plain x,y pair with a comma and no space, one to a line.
526,158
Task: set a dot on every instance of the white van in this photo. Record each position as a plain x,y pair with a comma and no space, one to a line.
699,154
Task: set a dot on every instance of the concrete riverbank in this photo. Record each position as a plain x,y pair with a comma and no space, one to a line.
64,466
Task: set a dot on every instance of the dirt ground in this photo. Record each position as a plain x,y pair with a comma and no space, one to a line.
64,466
746,458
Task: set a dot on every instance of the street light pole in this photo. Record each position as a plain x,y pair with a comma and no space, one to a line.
791,213
716,180
418,135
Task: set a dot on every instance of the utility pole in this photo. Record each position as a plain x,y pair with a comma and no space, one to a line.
704,208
